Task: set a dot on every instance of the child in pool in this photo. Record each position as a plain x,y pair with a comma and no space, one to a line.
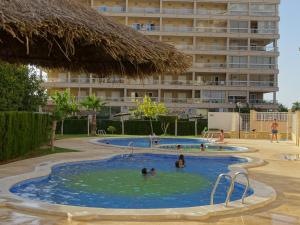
202,148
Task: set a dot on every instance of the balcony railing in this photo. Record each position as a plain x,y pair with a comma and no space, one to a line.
238,12
190,47
238,48
238,65
167,100
145,27
262,83
262,13
251,13
203,29
211,12
237,83
263,30
210,65
203,82
213,100
144,10
263,48
143,82
262,102
178,11
113,9
263,66
185,11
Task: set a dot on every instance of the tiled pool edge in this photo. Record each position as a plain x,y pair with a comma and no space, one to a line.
263,195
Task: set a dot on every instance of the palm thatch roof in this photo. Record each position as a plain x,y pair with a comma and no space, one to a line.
63,34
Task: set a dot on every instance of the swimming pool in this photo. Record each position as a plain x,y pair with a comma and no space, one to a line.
117,182
145,141
186,144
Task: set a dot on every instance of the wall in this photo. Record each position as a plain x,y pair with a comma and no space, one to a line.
262,122
296,128
226,121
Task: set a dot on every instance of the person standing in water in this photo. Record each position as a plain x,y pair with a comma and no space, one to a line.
274,130
202,147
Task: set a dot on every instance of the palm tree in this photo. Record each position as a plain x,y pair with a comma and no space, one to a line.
296,106
93,104
64,105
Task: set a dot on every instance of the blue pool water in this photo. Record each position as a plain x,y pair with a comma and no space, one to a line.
189,144
145,142
118,183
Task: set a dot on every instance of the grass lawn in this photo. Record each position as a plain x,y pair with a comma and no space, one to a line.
39,152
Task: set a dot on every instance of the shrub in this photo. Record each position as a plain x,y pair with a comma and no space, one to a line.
134,127
22,132
111,129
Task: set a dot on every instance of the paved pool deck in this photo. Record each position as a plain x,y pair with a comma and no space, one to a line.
283,175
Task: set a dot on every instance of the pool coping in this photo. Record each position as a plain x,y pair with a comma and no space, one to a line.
262,196
246,149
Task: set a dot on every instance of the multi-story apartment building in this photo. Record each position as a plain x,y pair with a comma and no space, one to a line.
233,44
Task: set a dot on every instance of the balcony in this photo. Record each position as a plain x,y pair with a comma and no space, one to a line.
238,30
176,100
262,13
264,31
211,12
178,11
213,100
237,83
177,82
263,66
113,9
264,48
201,47
238,65
145,27
262,83
238,48
262,102
76,80
144,10
221,65
190,47
238,12
177,29
203,82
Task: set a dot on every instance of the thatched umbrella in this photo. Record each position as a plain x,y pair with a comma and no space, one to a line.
64,34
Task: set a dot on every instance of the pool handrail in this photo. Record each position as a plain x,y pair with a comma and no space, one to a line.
130,146
231,188
217,184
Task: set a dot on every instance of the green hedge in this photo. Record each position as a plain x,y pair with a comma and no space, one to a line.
22,132
73,126
133,127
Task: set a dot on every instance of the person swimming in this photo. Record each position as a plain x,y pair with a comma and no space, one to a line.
202,148
153,172
144,172
180,163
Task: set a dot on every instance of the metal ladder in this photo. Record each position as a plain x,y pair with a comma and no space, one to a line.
231,187
130,147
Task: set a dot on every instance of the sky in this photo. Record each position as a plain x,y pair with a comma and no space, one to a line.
289,59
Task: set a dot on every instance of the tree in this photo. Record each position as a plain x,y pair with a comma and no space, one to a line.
165,122
111,129
64,105
296,106
20,88
282,108
150,109
93,104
